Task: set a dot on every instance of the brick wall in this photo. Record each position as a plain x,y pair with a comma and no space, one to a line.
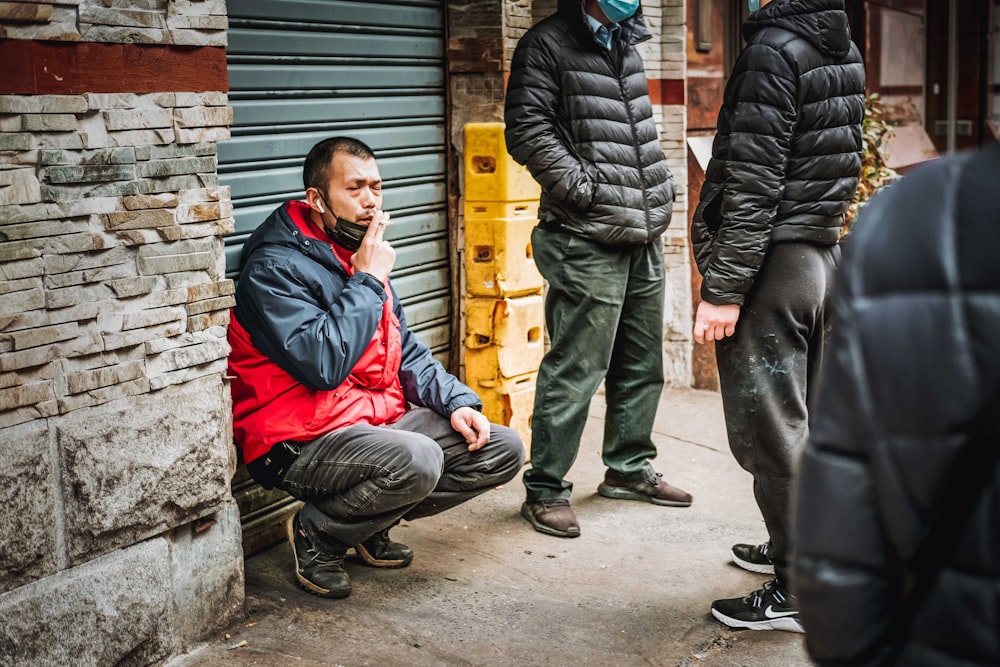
119,539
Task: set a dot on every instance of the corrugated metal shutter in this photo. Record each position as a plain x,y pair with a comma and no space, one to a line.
304,70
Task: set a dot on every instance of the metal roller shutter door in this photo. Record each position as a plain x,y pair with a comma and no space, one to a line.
304,70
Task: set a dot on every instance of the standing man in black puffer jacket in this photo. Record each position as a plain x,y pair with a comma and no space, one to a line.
897,521
578,114
784,168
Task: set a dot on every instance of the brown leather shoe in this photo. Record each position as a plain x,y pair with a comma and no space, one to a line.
552,517
657,492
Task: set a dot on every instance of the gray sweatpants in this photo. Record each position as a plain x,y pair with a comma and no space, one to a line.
360,480
767,372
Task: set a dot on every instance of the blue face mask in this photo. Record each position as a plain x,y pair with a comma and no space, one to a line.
618,10
753,5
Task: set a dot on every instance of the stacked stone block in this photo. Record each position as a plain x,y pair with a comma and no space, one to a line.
119,538
180,22
113,412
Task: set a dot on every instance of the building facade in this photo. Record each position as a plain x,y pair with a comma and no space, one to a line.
140,142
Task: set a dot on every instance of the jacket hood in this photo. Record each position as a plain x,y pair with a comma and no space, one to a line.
634,28
823,23
284,228
277,229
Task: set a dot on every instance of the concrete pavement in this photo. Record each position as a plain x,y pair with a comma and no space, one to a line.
486,589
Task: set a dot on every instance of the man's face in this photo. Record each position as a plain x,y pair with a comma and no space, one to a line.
354,192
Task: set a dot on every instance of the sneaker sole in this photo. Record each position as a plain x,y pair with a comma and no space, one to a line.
371,561
304,583
619,493
786,624
542,528
752,567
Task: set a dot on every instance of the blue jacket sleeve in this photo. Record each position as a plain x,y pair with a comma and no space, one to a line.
425,381
314,326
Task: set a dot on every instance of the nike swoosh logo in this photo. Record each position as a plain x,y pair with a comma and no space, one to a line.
770,613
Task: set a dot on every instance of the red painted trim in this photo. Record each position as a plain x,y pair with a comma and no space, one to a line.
667,92
70,68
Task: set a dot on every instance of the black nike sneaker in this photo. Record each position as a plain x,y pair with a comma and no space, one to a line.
768,608
753,557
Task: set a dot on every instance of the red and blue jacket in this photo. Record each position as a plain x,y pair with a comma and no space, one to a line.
317,346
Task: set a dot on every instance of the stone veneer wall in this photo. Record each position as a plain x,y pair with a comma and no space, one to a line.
482,38
119,537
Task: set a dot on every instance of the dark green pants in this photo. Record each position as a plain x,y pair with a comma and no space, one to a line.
604,313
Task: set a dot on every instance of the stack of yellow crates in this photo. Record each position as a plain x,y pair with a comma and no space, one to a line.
504,312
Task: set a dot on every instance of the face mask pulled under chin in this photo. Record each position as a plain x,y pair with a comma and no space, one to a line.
618,10
347,234
753,5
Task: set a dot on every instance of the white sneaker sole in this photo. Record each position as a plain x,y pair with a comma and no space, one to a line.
786,624
752,567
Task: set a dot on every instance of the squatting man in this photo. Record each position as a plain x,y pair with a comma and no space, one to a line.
335,401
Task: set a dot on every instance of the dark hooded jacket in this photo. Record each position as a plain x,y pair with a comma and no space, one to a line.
787,155
580,118
915,357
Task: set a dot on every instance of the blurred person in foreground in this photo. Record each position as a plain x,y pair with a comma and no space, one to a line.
335,401
897,527
578,115
784,169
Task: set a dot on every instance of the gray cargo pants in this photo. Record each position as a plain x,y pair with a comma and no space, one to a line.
359,480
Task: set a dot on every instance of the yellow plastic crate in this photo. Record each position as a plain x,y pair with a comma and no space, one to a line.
511,402
504,337
490,172
490,210
498,256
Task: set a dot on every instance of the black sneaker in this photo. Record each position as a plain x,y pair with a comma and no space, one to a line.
379,551
753,557
768,608
318,573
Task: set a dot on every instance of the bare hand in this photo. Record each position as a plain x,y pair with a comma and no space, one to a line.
473,425
713,322
375,256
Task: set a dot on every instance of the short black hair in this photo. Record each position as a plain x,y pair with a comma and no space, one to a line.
316,169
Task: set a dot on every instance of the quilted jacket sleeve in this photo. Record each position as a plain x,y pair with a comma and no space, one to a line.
762,116
425,381
314,340
894,418
535,135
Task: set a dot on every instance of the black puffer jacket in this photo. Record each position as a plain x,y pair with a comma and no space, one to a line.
787,156
915,356
579,117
